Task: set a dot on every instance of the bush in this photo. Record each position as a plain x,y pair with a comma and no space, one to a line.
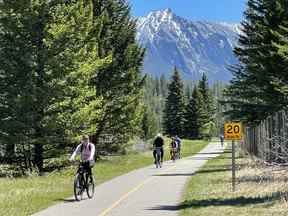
10,171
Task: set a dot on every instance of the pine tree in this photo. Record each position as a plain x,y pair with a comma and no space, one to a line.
45,54
188,93
120,84
280,44
191,125
149,124
163,84
175,106
253,94
207,97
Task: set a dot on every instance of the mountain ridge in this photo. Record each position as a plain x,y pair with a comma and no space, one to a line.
194,47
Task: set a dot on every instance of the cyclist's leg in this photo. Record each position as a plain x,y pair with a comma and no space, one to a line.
162,154
154,155
88,171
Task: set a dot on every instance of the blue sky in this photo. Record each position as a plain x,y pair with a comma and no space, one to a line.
209,10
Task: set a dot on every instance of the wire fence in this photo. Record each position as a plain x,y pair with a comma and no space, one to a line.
269,140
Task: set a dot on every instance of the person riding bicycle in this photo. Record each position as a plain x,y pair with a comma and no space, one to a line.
173,148
87,151
158,143
178,140
222,140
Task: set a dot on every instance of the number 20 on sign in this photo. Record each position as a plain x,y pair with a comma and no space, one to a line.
233,131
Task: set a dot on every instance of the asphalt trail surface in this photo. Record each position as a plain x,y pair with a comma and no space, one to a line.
144,192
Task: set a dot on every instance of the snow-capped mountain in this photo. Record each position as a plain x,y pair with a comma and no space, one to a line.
193,47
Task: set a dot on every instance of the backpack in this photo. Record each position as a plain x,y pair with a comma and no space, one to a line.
81,148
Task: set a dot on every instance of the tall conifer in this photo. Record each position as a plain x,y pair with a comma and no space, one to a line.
175,106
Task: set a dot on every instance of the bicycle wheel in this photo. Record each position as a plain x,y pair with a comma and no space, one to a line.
90,187
172,155
157,161
78,187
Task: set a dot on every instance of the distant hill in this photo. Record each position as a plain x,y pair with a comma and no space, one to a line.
194,47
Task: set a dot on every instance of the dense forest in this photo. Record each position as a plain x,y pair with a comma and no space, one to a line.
70,68
67,68
190,109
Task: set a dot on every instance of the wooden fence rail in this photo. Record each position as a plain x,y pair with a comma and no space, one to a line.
269,140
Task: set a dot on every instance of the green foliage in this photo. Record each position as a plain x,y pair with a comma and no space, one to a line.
67,69
208,130
119,85
155,101
192,123
255,92
31,71
149,124
175,106
218,93
196,115
206,93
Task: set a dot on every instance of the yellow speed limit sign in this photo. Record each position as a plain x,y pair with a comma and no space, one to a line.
233,131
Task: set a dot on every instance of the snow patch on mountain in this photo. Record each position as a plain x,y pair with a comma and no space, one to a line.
195,47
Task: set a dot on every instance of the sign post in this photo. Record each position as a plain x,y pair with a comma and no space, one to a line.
233,167
233,131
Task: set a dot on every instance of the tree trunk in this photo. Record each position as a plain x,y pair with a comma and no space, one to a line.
10,152
38,160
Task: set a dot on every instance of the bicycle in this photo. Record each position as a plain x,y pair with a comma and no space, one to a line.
179,153
158,157
174,154
83,181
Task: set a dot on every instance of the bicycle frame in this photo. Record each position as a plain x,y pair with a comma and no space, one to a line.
84,174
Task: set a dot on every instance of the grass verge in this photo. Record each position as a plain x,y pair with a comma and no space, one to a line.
260,190
24,196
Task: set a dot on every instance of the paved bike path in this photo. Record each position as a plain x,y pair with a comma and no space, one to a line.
144,192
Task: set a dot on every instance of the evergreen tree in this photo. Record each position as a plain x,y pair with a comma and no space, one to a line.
175,106
120,84
164,86
217,92
157,87
191,116
155,104
253,93
44,53
196,115
149,125
28,77
207,97
188,93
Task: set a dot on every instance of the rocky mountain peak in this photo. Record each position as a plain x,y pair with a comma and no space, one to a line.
194,47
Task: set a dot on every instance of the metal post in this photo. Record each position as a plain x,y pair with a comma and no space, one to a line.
233,166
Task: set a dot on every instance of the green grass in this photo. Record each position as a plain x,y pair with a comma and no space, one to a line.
24,196
209,191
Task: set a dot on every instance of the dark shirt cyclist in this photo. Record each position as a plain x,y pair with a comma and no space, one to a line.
158,143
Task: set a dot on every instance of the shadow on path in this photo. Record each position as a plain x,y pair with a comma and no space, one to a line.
201,158
213,170
69,200
237,201
176,174
212,153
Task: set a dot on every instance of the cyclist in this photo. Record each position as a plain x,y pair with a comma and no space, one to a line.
222,140
158,143
87,151
178,140
173,148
